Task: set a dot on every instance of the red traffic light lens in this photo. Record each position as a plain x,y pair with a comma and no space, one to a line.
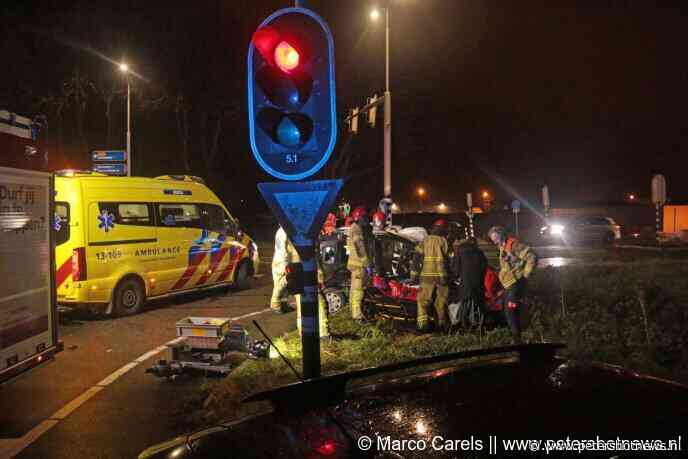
286,57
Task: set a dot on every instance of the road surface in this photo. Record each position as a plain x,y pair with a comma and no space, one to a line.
95,399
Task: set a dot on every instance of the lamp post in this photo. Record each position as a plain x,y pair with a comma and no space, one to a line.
487,201
375,15
421,193
124,68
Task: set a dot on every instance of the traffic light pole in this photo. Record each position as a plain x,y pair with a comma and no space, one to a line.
128,127
310,323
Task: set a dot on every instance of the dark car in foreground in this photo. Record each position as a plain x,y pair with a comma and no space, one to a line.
500,402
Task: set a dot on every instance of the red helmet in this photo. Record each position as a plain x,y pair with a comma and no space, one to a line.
348,221
378,218
441,223
359,212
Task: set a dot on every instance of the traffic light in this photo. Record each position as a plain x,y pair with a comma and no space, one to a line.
295,278
291,94
372,111
353,123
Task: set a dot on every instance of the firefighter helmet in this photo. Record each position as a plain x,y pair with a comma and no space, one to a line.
359,213
441,223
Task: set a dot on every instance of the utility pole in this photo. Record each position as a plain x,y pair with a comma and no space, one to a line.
388,116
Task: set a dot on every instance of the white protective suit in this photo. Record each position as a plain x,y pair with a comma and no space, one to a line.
284,254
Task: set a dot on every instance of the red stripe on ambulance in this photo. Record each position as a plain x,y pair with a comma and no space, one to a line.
215,260
195,260
63,272
232,262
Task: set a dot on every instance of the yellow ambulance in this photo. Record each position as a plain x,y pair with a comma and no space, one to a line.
122,240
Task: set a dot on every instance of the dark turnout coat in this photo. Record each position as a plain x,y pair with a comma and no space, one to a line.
469,264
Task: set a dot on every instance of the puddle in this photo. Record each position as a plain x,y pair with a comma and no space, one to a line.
556,262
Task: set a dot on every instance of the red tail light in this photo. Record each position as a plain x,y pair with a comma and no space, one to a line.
328,448
79,264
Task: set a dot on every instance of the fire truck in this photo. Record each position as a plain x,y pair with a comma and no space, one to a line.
28,303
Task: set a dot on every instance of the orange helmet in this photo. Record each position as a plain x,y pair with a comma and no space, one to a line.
359,212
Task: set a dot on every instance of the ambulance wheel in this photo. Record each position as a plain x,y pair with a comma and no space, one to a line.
242,278
129,297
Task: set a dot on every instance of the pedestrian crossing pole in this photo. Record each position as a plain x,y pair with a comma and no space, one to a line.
310,324
469,202
659,199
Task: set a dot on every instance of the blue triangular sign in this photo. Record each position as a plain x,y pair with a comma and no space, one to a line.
301,207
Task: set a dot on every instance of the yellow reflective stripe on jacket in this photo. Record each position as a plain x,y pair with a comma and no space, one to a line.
435,257
516,260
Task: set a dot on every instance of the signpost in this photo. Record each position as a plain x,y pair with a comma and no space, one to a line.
111,168
658,199
293,130
516,208
469,203
545,200
110,162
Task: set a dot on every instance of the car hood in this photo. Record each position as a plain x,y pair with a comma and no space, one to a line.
504,397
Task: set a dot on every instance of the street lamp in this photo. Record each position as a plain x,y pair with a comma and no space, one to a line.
421,193
124,68
487,200
374,16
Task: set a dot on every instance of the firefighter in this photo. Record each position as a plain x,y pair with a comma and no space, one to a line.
516,263
284,254
433,254
359,263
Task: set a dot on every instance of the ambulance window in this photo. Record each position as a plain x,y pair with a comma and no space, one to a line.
213,218
61,223
179,215
133,213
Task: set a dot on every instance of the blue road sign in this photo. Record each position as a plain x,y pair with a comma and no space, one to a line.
109,156
301,207
110,168
516,206
292,111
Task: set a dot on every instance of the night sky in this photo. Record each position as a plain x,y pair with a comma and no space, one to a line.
499,95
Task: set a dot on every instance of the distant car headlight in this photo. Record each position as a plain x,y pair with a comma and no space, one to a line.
557,230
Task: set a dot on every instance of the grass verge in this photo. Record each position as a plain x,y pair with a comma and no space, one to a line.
632,315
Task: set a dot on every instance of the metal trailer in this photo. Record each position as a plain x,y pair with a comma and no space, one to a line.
28,303
204,344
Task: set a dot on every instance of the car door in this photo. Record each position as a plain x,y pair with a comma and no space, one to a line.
181,238
223,244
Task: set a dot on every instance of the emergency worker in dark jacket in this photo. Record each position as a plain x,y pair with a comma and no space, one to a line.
469,265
